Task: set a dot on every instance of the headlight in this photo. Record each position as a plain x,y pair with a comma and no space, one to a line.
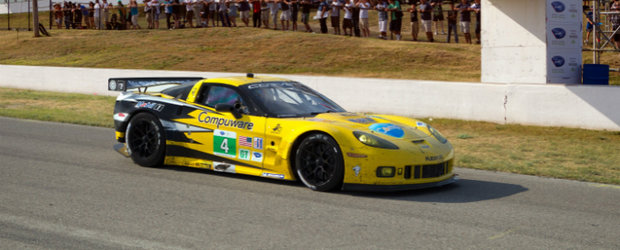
436,134
373,140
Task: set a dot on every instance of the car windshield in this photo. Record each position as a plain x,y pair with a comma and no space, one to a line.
291,99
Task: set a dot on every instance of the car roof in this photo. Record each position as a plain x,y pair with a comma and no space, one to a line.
243,80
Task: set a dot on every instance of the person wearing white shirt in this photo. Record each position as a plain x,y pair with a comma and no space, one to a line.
364,5
189,12
97,15
347,21
335,16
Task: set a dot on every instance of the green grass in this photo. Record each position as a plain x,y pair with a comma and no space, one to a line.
575,154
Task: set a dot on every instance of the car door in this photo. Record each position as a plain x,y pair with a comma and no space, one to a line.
236,144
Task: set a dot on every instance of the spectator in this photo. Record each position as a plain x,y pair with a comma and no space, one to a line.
356,18
305,14
133,11
425,14
122,16
212,12
232,13
335,16
204,13
382,17
156,12
322,14
58,14
105,7
97,15
244,9
415,27
615,22
68,17
285,16
177,9
464,10
84,11
256,13
264,10
148,14
589,22
197,10
452,17
438,16
77,16
223,13
273,11
294,13
397,15
364,6
476,8
167,12
189,13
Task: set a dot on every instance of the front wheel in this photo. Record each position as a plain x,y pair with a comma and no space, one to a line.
145,140
319,163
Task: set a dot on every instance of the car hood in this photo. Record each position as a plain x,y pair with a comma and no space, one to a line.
374,124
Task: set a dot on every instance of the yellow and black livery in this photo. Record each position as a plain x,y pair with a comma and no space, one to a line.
275,128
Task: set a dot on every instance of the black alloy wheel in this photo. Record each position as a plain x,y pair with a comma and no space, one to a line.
319,162
145,140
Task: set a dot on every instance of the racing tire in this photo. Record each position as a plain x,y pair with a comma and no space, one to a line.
145,139
319,163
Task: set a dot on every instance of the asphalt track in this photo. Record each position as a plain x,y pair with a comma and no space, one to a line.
63,187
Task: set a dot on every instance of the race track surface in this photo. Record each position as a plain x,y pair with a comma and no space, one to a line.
63,187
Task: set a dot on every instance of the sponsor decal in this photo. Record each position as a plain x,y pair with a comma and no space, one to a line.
433,158
357,170
558,33
245,141
388,129
258,143
225,143
244,154
558,6
363,120
224,167
257,156
425,146
558,61
205,118
150,105
270,175
420,124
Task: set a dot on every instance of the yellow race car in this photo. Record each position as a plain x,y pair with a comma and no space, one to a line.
275,128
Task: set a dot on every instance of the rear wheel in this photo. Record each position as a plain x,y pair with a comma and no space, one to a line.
319,163
145,140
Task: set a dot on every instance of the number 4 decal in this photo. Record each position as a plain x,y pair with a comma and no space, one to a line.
225,143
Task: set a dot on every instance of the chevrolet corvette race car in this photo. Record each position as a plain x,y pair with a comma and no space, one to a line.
274,128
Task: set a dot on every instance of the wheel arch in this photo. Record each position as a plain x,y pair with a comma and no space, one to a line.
291,154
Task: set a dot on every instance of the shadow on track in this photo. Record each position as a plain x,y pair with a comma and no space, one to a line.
462,191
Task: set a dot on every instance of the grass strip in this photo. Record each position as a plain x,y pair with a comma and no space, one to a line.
575,154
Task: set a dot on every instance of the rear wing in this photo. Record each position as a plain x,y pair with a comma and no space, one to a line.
123,84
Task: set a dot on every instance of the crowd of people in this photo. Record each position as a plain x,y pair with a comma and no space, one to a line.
347,17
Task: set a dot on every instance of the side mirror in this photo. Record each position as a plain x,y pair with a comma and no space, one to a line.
234,109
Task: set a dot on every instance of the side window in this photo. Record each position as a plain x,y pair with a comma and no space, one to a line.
219,94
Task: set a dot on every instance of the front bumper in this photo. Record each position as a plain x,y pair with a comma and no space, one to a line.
394,188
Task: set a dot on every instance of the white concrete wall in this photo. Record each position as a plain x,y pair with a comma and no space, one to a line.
580,106
514,46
